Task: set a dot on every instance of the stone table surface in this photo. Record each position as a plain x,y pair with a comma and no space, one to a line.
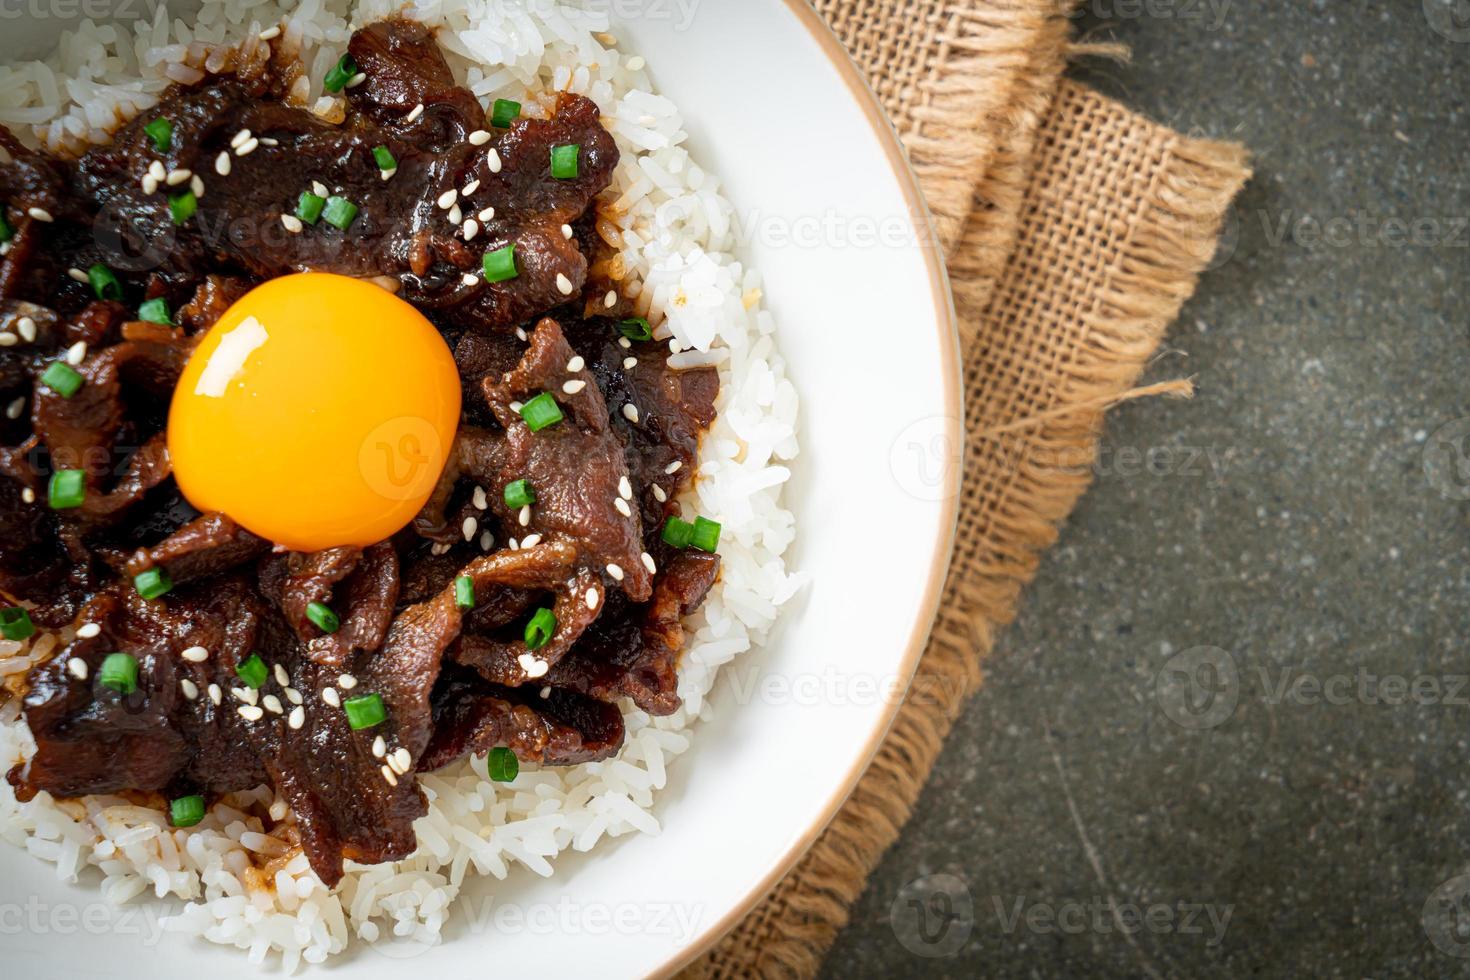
1228,732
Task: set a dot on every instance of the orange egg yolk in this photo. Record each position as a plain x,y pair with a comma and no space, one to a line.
317,412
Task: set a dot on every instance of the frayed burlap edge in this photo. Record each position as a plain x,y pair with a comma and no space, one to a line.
1171,243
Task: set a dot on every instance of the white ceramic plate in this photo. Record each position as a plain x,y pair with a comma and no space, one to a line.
833,219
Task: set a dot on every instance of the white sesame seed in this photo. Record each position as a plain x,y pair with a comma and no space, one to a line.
622,506
469,528
346,682
592,598
455,215
479,138
292,695
329,695
157,171
447,199
273,704
195,655
629,363
566,231
268,141
521,336
624,343
88,630
514,545
530,541
222,163
178,176
246,694
297,717
13,410
246,148
615,570
572,387
318,188
469,279
380,748
388,775
479,499
673,467
486,214
415,112
77,667
270,33
611,299
471,229
357,79
76,353
563,284
546,691
292,223
150,184
196,184
282,678
28,495
492,160
438,549
394,764
470,188
405,761
636,63
487,540
524,517
576,364
40,214
250,713
8,339
658,493
533,665
625,489
630,412
190,689
77,274
239,139
647,560
215,694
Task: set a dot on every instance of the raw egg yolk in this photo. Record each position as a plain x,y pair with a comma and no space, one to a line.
317,412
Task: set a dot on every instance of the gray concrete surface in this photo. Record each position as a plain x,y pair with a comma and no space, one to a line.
1228,733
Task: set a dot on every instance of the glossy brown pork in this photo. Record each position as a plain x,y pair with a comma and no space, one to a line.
453,681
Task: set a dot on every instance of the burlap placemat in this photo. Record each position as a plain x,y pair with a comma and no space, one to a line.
1075,229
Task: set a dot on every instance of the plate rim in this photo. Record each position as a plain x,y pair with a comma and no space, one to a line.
949,353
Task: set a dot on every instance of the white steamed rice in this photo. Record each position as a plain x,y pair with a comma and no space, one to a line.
677,237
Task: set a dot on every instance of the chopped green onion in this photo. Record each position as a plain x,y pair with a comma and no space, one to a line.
385,159
636,328
502,764
162,133
678,533
156,311
68,489
540,628
519,493
15,623
706,535
62,378
104,282
252,670
504,113
152,583
500,264
564,161
339,212
186,811
309,207
321,614
182,206
464,592
340,74
119,673
365,711
541,412
6,232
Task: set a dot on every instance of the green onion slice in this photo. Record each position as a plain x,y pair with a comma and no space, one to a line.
186,811
152,583
384,157
119,672
464,592
62,378
156,311
540,412
519,493
540,628
161,131
252,670
365,711
6,231
104,282
705,535
502,764
636,328
182,206
309,207
340,74
321,614
678,533
504,113
564,161
68,488
15,623
339,212
500,264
